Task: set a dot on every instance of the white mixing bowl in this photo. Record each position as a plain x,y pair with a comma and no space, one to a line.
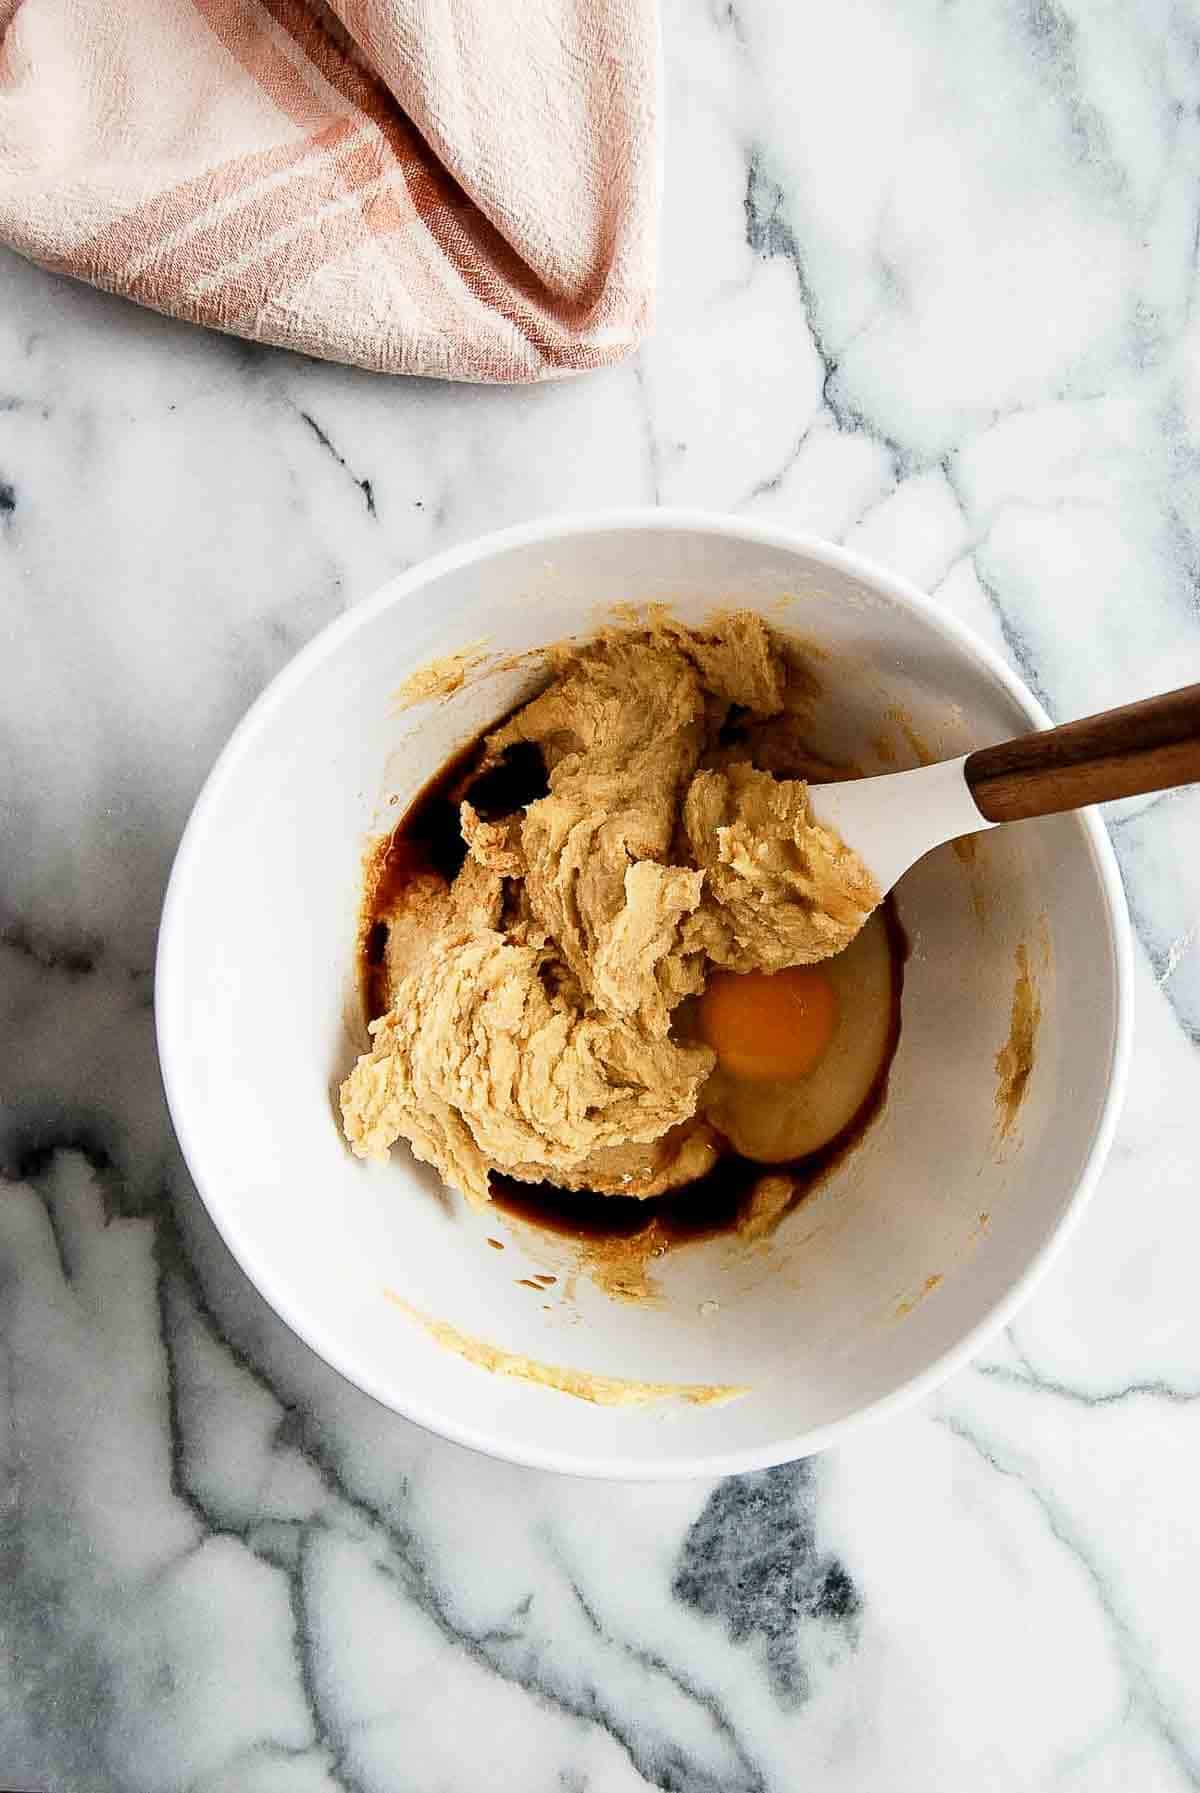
878,1285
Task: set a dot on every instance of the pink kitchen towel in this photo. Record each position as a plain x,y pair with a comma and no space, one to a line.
463,188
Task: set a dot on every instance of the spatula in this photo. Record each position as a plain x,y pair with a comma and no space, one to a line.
894,820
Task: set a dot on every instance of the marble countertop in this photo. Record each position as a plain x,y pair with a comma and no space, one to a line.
929,287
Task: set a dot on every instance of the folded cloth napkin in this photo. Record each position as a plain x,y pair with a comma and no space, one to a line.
464,188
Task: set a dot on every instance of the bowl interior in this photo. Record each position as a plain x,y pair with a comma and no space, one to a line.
892,1264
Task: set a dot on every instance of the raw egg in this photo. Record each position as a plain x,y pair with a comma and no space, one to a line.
769,1025
799,1052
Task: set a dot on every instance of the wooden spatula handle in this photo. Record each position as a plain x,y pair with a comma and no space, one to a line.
1121,753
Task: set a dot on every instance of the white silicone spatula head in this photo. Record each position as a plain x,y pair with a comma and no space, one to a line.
894,820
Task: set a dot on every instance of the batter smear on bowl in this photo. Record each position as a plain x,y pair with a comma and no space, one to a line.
609,953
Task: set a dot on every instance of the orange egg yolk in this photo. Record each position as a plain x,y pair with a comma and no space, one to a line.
768,1026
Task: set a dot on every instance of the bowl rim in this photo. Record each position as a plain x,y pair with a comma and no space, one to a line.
168,971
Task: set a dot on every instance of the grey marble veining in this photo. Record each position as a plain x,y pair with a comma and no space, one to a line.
929,287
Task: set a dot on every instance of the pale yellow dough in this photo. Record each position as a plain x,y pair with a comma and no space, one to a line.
530,1028
483,1062
603,1391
